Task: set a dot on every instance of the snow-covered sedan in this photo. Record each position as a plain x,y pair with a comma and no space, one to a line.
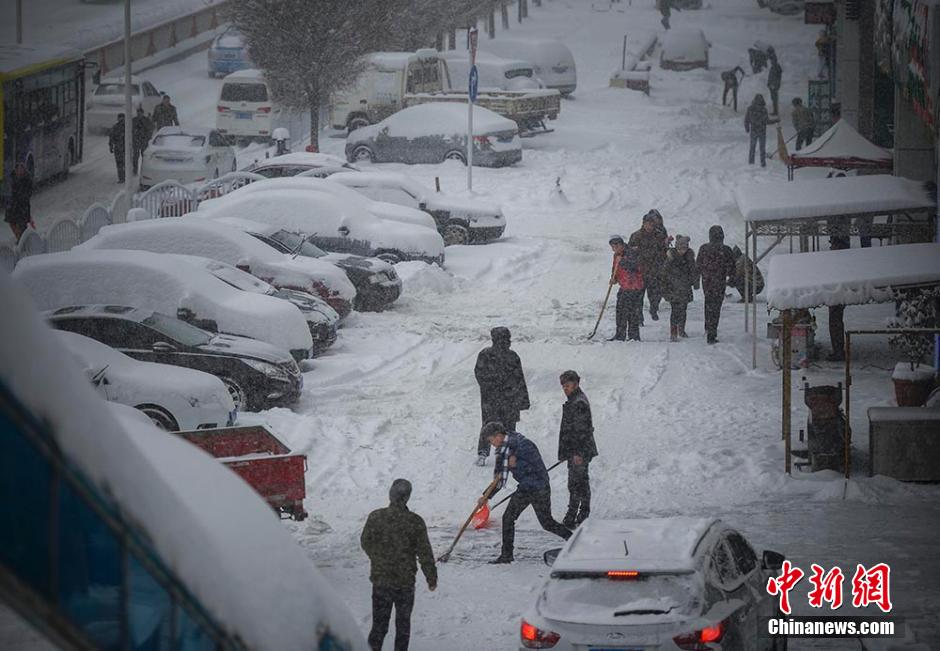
151,281
684,49
187,155
435,132
174,398
107,102
226,244
459,221
301,162
671,583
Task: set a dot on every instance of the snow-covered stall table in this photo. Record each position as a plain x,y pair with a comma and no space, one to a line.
841,147
855,277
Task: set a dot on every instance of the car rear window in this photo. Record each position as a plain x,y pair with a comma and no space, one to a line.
179,140
657,596
115,89
244,93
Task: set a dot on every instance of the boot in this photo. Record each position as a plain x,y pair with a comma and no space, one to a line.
673,333
501,560
570,519
582,516
682,332
618,337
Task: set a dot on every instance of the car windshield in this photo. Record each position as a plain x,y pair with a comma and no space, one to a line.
115,89
177,330
179,140
244,93
292,241
240,279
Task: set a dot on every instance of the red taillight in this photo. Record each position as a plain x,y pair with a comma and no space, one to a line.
535,638
623,575
222,109
264,109
481,140
700,640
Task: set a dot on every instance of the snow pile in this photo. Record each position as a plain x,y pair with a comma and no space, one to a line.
436,118
211,528
419,278
842,141
849,276
685,46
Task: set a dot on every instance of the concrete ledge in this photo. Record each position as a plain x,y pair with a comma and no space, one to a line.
904,442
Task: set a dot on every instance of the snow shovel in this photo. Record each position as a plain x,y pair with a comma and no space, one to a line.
443,558
601,315
482,516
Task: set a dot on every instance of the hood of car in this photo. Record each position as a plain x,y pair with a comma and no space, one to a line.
458,207
246,347
314,309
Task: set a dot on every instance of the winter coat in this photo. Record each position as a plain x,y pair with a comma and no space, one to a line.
803,118
627,270
143,131
664,7
651,247
576,436
681,275
715,262
530,471
773,77
742,267
116,138
503,392
164,116
21,191
393,538
756,117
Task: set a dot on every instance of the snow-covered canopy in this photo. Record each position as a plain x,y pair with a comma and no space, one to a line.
842,147
849,276
836,197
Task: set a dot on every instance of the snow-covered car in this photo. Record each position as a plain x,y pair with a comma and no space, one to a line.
173,398
684,49
226,244
459,221
377,283
107,101
495,72
187,155
321,318
151,281
552,61
228,53
255,374
294,163
671,583
435,132
330,223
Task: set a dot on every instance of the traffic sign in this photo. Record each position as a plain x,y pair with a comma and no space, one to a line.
474,83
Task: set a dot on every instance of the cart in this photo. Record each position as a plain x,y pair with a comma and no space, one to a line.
262,460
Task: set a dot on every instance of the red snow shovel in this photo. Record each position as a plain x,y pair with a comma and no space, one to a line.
481,518
443,558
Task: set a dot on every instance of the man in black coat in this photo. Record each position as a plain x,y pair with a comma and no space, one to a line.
715,263
116,145
576,445
142,128
503,392
18,213
164,114
393,538
651,242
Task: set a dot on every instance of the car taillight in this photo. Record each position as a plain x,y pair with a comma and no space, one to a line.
701,640
623,575
222,109
535,638
264,109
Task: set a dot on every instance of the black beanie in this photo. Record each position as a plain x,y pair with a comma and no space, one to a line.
400,491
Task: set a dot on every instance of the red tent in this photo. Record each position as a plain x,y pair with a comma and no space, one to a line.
843,148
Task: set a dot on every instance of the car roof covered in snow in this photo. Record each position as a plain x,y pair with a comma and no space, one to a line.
488,59
437,118
118,78
112,311
398,60
304,158
652,545
184,131
246,75
685,44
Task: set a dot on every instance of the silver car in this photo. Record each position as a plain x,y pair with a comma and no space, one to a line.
639,585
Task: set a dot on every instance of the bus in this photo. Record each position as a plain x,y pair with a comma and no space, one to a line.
42,112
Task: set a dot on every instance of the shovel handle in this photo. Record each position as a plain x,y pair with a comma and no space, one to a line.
601,315
443,558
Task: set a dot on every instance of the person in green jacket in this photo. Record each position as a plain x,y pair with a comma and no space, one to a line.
393,538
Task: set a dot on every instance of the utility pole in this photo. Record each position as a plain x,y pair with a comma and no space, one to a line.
129,177
19,22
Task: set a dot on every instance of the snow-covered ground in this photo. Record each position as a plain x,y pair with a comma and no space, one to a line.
682,428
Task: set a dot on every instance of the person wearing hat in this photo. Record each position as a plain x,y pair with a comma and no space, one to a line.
503,391
626,273
518,455
651,241
681,276
576,446
393,538
116,145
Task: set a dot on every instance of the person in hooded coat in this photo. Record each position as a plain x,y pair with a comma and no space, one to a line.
681,276
715,263
393,538
18,213
756,120
503,391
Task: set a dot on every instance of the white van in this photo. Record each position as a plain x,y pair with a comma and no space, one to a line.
245,107
552,61
495,72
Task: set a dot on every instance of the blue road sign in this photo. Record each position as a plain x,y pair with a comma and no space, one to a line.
474,82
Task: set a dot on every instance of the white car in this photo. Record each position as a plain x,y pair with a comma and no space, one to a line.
296,162
191,236
173,398
330,223
552,61
107,102
151,281
684,49
671,583
187,155
460,221
495,72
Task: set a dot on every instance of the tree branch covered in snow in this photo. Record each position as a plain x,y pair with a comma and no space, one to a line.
917,309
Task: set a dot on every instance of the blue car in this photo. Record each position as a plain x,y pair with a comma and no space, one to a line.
228,53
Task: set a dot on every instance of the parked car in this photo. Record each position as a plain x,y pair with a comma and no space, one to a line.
228,53
332,224
257,375
684,49
459,221
187,155
552,61
670,583
294,163
173,398
377,283
230,245
436,132
245,107
151,281
107,101
495,72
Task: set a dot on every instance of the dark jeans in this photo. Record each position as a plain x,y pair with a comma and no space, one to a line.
483,446
734,95
403,599
774,99
713,301
138,154
541,502
579,491
119,163
758,138
804,137
837,330
678,314
654,293
629,313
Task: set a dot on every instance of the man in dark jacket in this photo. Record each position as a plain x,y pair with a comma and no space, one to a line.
116,145
576,446
518,455
773,80
651,242
164,114
838,241
681,276
715,263
626,274
803,122
18,214
142,128
755,123
393,538
731,81
503,392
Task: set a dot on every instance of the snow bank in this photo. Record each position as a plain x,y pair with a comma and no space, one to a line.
418,277
850,276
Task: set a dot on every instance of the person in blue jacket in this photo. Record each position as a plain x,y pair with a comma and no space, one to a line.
518,455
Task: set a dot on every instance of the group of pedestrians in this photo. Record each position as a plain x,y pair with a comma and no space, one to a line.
142,128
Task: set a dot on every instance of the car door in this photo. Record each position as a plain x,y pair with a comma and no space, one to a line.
761,604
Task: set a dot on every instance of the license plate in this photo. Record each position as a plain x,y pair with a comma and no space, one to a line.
239,115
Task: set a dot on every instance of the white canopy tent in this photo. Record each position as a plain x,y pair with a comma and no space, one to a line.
841,147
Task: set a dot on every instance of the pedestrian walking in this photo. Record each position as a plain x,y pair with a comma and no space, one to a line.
626,273
730,77
715,263
681,276
651,242
576,446
518,455
773,80
142,128
164,114
804,123
838,241
503,391
18,213
755,123
393,538
116,145
823,54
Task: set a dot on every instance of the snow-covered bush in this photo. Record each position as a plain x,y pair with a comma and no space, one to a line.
917,309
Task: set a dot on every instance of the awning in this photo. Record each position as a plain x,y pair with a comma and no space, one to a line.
842,147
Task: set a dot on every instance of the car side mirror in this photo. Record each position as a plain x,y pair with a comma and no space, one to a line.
343,230
549,557
772,560
163,347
